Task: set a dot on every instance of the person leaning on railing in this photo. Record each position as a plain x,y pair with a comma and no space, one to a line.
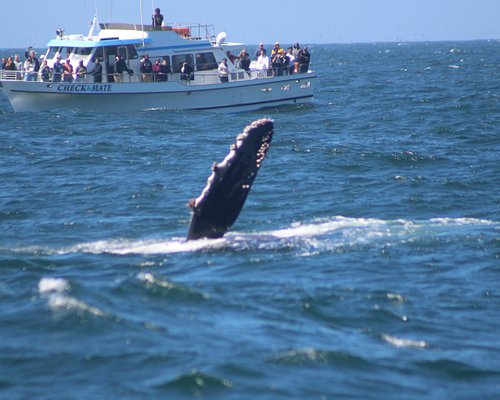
97,71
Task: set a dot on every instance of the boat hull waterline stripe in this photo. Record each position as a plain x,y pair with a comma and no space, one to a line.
227,106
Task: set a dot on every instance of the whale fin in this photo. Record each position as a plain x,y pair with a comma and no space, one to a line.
220,203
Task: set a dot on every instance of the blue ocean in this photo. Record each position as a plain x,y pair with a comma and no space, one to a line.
364,265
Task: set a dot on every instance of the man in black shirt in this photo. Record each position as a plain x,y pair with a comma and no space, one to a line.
157,18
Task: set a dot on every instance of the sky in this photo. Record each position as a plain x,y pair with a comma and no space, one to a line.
33,22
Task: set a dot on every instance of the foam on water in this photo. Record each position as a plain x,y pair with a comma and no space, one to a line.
324,234
57,285
54,290
162,246
58,301
399,342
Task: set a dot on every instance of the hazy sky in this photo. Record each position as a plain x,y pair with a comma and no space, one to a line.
33,22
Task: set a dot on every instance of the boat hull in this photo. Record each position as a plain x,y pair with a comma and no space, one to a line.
116,97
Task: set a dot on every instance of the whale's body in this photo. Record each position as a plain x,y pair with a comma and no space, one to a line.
220,203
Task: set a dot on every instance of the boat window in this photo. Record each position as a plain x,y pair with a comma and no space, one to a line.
132,53
122,50
53,51
97,54
66,50
128,52
110,50
179,59
83,51
161,58
205,61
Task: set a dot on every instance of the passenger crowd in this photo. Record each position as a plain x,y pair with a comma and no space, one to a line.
294,60
60,71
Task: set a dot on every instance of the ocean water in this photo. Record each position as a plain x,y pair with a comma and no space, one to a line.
365,263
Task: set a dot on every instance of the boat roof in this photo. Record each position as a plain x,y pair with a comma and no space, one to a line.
119,34
95,43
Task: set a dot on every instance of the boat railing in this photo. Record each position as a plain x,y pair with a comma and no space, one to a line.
196,78
189,30
7,75
193,31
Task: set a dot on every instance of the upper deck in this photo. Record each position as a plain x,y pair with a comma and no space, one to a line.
142,35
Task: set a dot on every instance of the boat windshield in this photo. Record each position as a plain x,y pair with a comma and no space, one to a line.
52,52
82,51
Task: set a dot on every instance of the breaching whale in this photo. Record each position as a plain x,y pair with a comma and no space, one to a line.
221,201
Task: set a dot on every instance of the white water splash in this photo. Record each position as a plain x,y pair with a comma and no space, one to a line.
55,291
320,235
149,278
321,227
147,247
58,285
151,281
398,342
57,301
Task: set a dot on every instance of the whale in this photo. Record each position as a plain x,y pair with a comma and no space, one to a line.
218,206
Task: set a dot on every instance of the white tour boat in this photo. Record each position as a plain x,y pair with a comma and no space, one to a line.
200,89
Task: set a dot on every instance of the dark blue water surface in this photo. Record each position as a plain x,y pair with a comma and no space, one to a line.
364,265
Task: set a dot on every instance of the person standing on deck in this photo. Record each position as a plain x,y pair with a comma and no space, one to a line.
259,51
67,71
81,72
146,69
223,71
97,71
29,69
57,70
17,61
120,68
157,18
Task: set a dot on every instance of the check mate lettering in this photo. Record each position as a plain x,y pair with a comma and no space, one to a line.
89,88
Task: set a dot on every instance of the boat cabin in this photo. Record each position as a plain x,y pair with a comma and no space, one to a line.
175,45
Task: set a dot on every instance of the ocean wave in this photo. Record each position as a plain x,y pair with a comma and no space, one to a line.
399,342
162,246
321,234
457,369
63,302
303,356
55,291
195,382
169,288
